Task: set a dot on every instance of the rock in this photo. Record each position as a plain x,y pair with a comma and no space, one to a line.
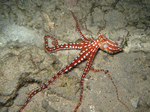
141,25
144,76
147,31
18,64
131,10
48,108
118,19
138,40
4,109
146,2
116,33
106,8
119,7
135,102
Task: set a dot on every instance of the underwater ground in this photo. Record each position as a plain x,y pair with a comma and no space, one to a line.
25,64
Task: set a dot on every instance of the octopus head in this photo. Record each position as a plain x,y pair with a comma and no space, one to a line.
108,45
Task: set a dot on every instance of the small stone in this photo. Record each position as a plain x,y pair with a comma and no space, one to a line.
119,7
147,31
54,98
106,8
49,25
4,109
44,103
141,26
88,85
148,103
144,77
48,108
71,3
135,102
115,33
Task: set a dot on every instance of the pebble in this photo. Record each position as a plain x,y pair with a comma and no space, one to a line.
135,102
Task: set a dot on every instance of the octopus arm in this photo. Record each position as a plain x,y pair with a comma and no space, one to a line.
86,69
79,31
64,46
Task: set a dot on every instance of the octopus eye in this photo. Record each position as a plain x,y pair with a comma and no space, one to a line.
105,46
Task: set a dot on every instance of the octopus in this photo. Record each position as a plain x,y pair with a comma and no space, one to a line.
88,49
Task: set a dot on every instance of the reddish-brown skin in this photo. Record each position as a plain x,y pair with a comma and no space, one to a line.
88,50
